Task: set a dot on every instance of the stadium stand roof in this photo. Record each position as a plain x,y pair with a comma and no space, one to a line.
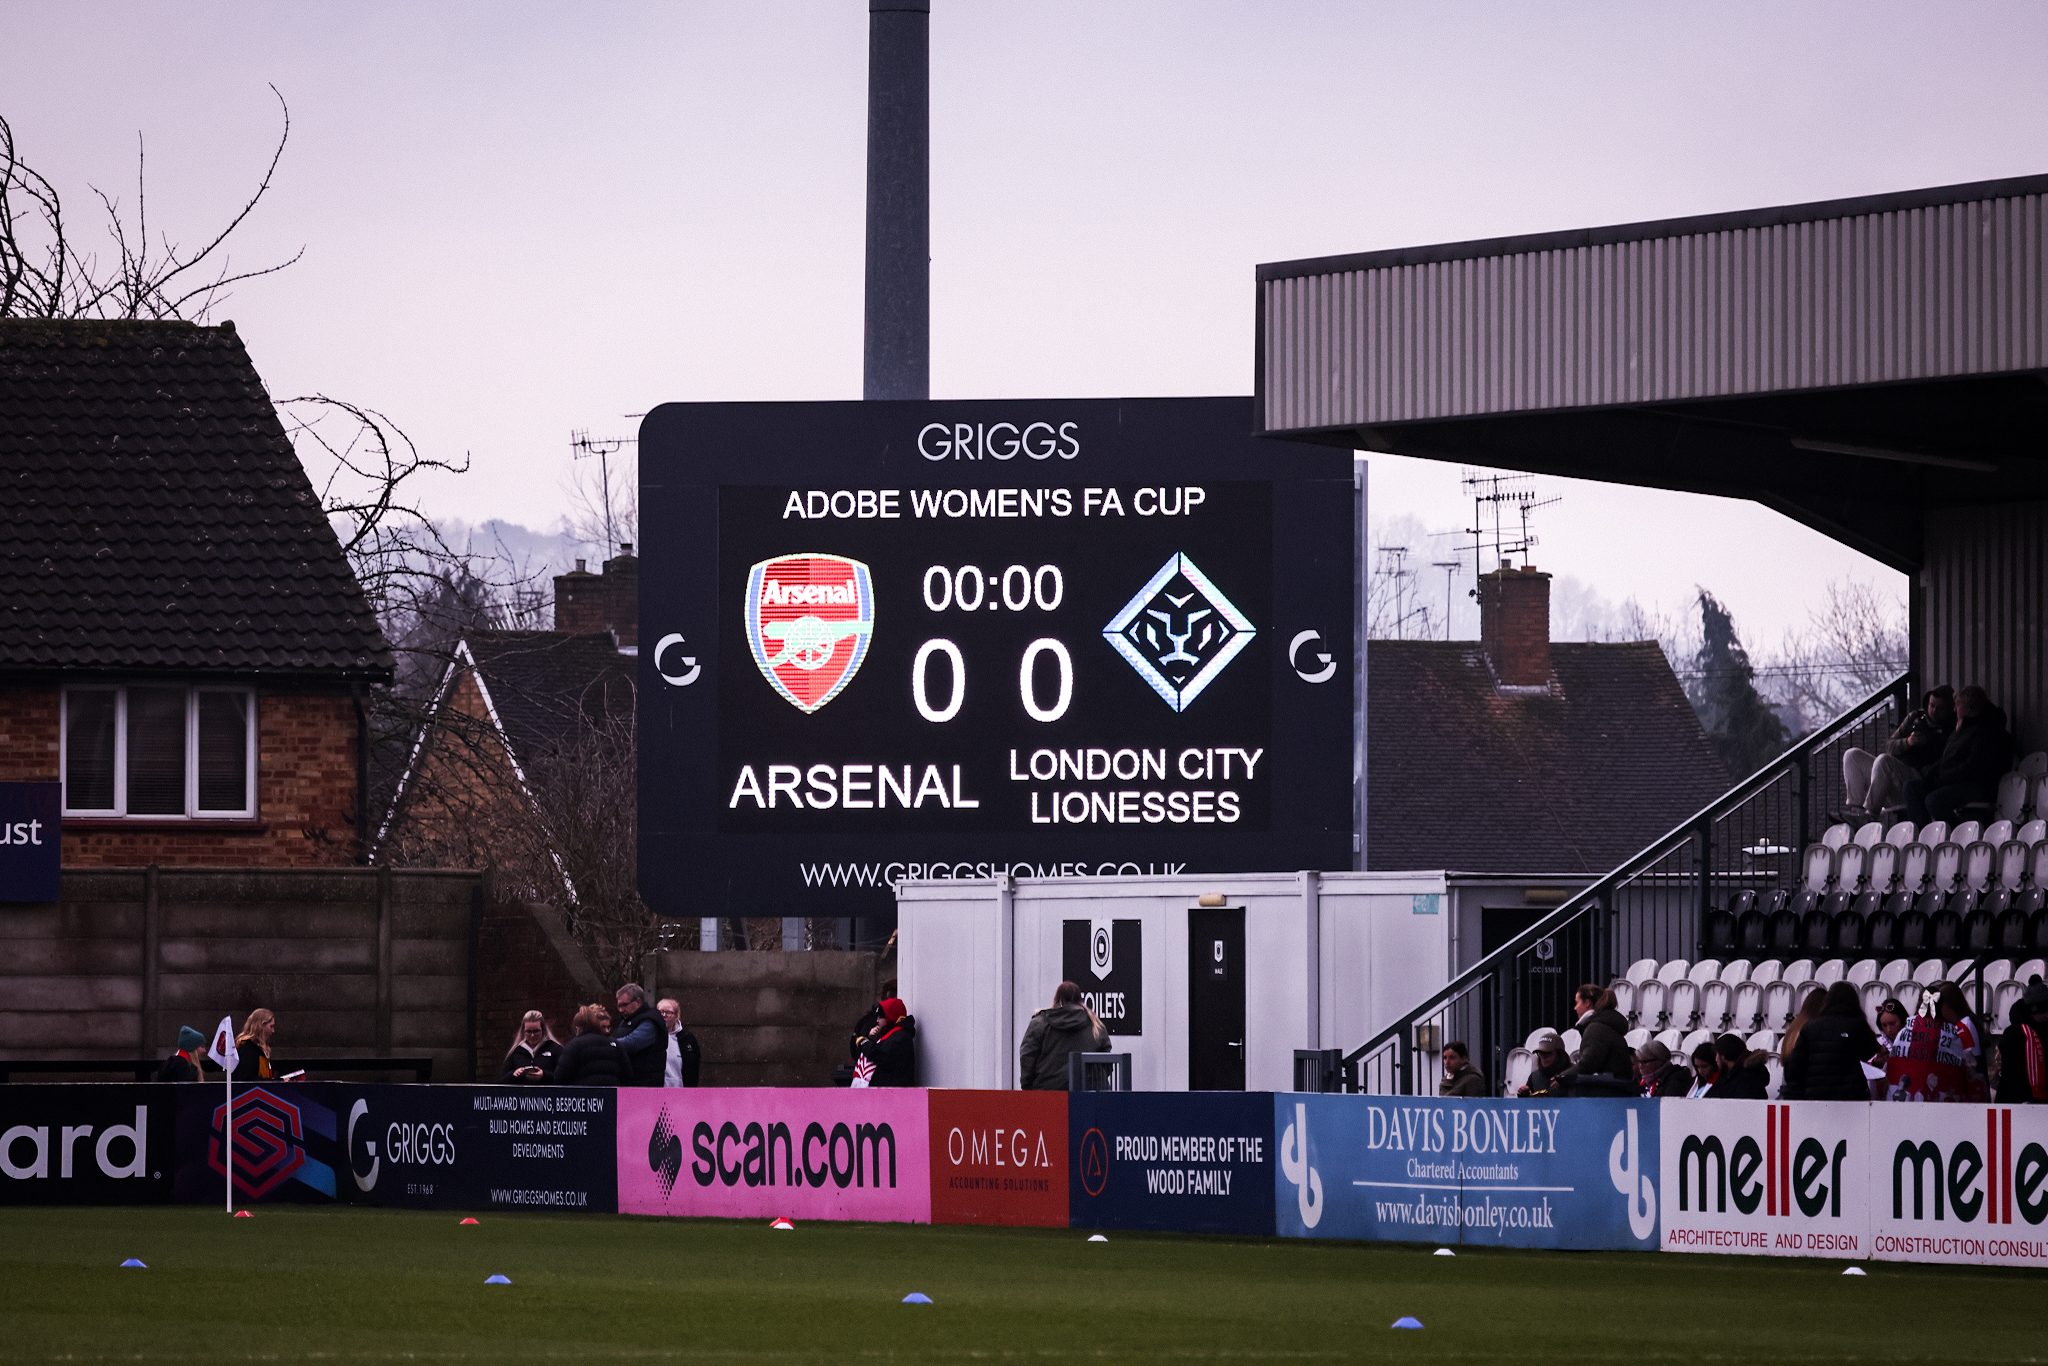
154,517
1858,364
1465,774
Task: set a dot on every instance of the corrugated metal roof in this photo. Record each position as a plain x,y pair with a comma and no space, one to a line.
1932,284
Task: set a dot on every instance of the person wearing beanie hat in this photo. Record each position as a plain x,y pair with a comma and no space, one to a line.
183,1065
1656,1075
2023,1051
891,1046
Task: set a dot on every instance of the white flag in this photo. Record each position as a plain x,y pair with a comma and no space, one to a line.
223,1049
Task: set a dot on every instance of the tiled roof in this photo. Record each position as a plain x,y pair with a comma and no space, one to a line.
1462,775
541,681
153,515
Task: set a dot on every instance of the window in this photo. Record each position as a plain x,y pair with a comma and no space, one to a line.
159,751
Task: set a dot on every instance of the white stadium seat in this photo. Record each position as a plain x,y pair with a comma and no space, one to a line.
1849,861
1799,971
1998,832
1767,972
1948,865
2035,765
1653,1003
1818,867
2038,868
1778,1005
1881,868
1685,1004
1674,970
1914,861
1735,970
1967,833
1705,971
1979,861
1673,1040
1861,971
1521,1062
1874,994
1930,972
1748,1008
1830,972
1642,970
2013,856
2011,802
1636,1038
1717,999
1900,835
1694,1040
1777,1067
1572,1043
2029,970
1996,971
1836,836
1869,833
1933,833
2032,833
1763,1041
1624,996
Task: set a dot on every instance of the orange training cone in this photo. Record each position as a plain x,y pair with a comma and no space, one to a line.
783,1224
469,1221
243,1214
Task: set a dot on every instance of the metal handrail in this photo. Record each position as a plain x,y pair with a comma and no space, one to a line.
1757,782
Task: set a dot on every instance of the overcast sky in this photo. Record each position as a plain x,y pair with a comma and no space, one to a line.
523,219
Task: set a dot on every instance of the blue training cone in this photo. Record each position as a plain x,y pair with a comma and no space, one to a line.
133,1262
1405,1322
497,1280
917,1297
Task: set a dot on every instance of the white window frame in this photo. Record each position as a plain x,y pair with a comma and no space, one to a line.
119,810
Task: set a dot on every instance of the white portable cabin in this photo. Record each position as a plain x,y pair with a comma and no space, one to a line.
1327,960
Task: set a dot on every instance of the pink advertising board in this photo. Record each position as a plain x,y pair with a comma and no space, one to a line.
763,1152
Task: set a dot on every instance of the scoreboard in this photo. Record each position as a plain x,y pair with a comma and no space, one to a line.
883,641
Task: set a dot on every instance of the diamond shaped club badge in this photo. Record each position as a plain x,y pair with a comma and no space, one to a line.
1179,632
809,618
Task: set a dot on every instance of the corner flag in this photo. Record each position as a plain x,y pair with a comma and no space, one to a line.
223,1049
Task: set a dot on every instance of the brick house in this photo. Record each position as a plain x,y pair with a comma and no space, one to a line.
183,644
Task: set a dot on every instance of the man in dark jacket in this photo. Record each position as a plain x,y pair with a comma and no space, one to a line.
1826,1063
1975,758
1604,1053
891,1045
639,1032
1744,1075
1064,1027
2023,1050
1875,781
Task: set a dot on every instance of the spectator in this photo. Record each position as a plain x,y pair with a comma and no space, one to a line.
1971,763
891,1046
1934,1058
2022,1065
685,1058
252,1046
1656,1074
1706,1070
183,1065
865,1025
1827,1061
1876,782
1809,1011
1744,1075
535,1050
640,1035
591,1058
1891,1018
1550,1060
1064,1027
1461,1078
1603,1042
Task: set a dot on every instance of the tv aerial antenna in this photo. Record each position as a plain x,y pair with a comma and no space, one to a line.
582,447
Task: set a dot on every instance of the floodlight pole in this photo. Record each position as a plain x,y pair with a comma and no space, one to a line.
896,344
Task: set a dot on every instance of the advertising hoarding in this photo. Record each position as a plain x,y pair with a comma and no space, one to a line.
1508,1173
90,1144
1959,1183
999,1157
1194,1162
912,640
481,1147
1783,1178
287,1136
762,1152
31,844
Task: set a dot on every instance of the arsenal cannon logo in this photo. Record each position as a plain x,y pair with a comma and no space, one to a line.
809,618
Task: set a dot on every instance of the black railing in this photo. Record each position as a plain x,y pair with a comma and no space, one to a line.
1653,906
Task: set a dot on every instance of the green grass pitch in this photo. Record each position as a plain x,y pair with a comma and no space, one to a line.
305,1284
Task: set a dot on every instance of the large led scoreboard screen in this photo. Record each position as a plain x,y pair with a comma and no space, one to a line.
883,641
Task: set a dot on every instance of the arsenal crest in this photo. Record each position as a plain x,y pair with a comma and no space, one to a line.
808,622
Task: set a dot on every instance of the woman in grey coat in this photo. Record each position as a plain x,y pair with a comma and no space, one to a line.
1065,1027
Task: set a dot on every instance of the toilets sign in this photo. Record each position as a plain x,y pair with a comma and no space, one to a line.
31,849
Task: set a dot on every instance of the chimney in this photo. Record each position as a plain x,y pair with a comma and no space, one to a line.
1514,624
622,597
579,600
